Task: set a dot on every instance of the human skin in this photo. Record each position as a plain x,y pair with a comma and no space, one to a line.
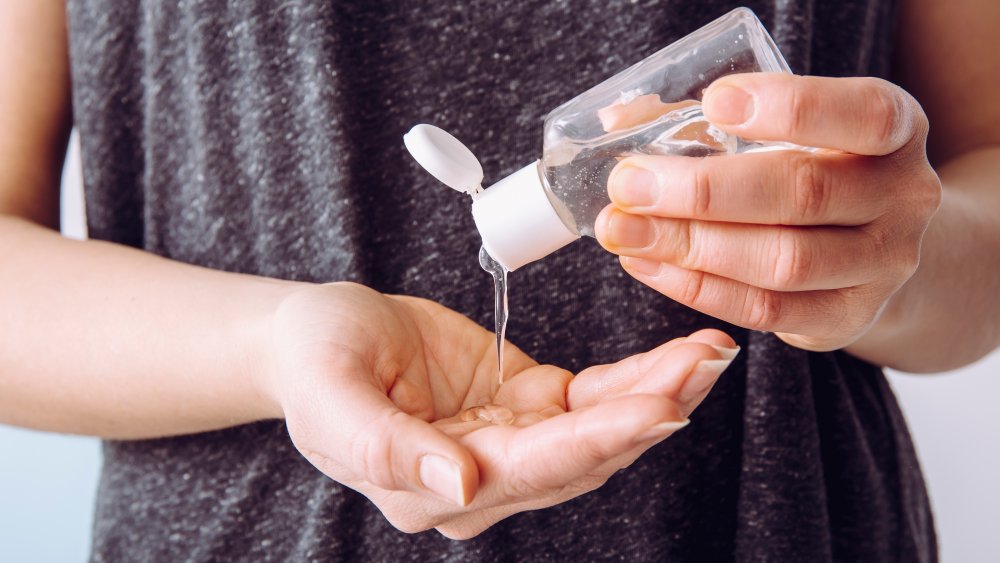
110,341
884,243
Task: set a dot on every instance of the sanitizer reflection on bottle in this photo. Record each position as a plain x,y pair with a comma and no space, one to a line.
652,107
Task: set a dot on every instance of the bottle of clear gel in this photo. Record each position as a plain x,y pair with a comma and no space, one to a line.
652,107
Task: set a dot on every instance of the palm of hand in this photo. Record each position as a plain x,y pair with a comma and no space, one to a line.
374,389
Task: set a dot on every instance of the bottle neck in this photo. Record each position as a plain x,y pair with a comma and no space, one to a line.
560,207
520,220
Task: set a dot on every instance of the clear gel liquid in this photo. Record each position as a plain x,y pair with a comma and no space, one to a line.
493,414
499,274
577,170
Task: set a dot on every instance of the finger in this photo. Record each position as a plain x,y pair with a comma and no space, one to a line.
539,460
535,389
598,383
771,257
470,524
356,425
717,339
662,371
639,110
466,525
818,314
690,390
626,459
858,115
776,188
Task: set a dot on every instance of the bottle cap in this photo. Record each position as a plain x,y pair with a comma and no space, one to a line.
518,218
520,221
445,157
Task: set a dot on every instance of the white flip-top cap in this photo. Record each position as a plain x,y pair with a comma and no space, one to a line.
445,157
517,219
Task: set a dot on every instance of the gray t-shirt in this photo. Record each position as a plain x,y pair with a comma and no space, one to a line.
266,137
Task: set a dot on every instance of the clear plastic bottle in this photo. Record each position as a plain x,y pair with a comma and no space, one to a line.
652,107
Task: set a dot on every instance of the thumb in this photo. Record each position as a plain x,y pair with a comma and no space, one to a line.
361,429
860,115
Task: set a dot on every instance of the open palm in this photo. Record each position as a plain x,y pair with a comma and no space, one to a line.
399,399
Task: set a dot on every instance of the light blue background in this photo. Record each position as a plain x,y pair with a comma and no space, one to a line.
47,486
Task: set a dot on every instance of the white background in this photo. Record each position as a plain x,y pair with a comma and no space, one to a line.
47,482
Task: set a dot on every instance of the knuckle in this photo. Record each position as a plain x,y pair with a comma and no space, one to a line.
843,312
371,451
810,189
880,237
852,311
920,122
929,192
910,261
583,485
686,246
693,291
885,114
761,308
907,258
673,242
521,485
591,452
591,482
884,250
700,202
897,255
799,106
792,261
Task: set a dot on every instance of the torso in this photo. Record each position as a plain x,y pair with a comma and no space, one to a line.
266,138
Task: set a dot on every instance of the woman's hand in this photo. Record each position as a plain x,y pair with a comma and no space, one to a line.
809,245
377,392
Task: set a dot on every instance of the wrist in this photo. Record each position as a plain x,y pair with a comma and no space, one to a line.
259,367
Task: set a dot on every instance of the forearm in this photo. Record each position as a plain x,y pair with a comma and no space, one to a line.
110,341
948,315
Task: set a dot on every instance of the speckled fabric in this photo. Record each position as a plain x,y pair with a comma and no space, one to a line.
265,137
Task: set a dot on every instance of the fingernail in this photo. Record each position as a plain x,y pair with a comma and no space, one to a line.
641,266
705,374
729,105
443,478
661,430
726,353
632,231
632,186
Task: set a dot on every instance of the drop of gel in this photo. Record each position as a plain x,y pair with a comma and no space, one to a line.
494,414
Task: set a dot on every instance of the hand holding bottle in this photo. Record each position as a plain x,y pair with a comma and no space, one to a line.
374,388
812,246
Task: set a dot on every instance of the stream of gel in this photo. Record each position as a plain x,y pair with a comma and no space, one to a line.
499,274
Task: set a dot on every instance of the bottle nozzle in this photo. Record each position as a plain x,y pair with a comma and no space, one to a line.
516,218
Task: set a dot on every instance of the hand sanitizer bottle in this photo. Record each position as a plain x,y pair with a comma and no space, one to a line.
652,107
